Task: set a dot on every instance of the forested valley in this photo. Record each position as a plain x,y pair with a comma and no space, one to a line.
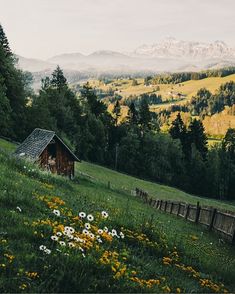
180,158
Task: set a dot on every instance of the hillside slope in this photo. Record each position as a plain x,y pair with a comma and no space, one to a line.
144,250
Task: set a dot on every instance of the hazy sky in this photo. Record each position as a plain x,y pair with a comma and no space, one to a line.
43,28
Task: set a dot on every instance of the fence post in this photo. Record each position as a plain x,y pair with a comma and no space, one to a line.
197,212
165,206
187,211
157,206
178,212
171,207
160,205
212,219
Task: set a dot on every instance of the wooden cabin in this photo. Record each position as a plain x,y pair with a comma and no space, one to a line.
52,154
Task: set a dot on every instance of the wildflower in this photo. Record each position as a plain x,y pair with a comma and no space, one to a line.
92,236
194,238
106,229
80,248
100,231
104,214
70,237
114,232
87,226
99,239
122,235
83,255
59,234
71,244
54,238
62,243
42,247
23,286
47,251
85,232
69,230
18,208
56,212
90,217
24,167
82,214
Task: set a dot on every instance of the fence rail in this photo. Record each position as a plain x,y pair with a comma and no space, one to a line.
221,222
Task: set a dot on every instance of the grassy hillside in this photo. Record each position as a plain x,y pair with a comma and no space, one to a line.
124,87
146,250
215,125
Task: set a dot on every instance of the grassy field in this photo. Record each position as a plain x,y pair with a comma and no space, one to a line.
124,87
146,250
215,125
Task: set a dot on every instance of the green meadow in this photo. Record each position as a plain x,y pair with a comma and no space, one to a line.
119,244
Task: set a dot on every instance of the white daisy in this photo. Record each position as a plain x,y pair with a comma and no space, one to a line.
83,255
59,234
71,244
42,247
104,214
121,235
114,232
92,236
87,226
90,217
100,231
54,238
47,251
69,230
85,232
82,214
62,243
18,208
56,212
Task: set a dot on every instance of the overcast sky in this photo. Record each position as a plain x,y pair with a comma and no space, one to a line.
43,28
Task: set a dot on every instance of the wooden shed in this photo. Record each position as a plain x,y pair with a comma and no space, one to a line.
52,154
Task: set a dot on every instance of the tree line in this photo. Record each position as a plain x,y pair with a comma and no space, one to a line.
176,78
136,146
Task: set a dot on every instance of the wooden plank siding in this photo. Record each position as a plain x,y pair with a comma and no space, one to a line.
64,161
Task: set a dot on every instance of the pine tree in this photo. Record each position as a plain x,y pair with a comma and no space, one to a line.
4,42
198,137
178,129
145,116
132,117
58,79
117,112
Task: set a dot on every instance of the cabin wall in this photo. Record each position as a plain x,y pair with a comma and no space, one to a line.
64,164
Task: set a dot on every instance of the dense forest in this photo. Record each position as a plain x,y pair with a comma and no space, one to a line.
180,158
176,78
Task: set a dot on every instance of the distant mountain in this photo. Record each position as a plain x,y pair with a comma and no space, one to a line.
66,58
167,55
33,65
172,48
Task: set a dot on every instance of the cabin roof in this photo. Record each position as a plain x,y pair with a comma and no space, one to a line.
36,143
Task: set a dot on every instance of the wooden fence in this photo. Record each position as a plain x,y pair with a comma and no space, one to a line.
216,220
